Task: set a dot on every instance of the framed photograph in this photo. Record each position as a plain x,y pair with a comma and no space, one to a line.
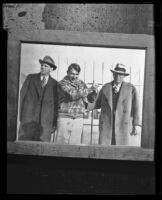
97,55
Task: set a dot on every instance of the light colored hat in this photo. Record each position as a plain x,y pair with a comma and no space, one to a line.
120,69
48,60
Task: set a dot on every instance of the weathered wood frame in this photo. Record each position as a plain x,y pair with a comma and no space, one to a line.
115,40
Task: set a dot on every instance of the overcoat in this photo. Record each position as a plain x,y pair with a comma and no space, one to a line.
126,115
38,108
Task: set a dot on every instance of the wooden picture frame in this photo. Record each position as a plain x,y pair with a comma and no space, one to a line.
106,40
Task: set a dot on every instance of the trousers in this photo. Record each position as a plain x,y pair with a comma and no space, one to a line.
69,130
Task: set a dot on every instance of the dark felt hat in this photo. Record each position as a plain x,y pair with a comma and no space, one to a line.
120,69
48,60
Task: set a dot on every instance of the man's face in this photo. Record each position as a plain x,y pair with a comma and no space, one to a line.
73,75
45,69
118,78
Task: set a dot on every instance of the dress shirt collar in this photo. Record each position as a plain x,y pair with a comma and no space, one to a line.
117,86
46,77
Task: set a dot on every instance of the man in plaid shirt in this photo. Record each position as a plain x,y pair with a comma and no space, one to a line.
72,105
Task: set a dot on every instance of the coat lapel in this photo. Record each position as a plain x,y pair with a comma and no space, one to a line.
122,95
38,84
108,94
49,81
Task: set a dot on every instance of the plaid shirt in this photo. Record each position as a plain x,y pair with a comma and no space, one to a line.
72,97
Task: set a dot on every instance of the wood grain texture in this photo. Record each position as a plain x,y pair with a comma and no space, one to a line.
115,40
85,38
148,136
95,151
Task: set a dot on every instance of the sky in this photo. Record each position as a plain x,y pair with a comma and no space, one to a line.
95,62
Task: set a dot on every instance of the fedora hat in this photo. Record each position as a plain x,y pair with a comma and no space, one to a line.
120,69
48,60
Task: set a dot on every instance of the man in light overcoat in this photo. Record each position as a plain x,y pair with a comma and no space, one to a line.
119,105
38,104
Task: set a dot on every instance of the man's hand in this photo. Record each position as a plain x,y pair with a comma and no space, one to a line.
93,93
135,130
95,87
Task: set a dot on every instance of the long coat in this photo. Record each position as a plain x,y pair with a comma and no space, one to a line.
126,115
38,108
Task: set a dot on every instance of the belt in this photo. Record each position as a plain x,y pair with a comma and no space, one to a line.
68,115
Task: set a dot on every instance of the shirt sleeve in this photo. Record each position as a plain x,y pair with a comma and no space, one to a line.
75,94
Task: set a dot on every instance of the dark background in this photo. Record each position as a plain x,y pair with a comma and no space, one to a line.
51,175
42,175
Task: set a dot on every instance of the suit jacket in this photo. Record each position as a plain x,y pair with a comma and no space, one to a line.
38,108
126,115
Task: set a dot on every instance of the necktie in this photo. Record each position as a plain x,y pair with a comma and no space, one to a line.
115,89
43,81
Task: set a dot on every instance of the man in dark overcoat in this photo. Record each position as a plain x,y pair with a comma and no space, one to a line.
119,105
38,104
